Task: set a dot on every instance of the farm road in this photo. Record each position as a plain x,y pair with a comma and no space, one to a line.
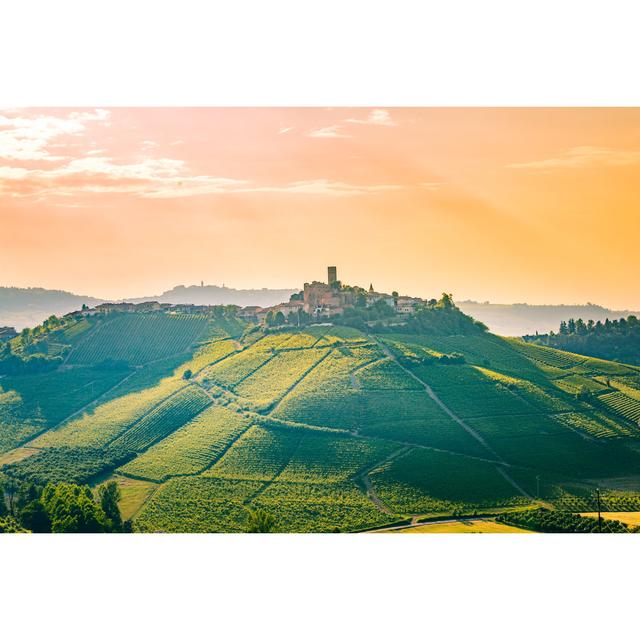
470,430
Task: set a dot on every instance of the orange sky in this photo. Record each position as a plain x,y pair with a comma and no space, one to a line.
533,205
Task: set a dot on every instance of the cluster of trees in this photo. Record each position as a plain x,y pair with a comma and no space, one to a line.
549,521
60,508
21,355
611,339
438,317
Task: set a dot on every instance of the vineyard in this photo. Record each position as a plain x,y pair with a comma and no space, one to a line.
327,428
175,411
626,406
138,338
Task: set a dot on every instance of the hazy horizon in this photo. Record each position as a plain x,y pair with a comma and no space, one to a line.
255,287
511,204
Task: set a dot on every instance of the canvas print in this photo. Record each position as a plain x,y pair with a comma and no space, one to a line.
319,320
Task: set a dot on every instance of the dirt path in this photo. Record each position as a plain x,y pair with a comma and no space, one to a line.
277,404
414,523
470,430
363,477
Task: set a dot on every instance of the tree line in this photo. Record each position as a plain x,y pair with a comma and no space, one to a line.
60,508
612,339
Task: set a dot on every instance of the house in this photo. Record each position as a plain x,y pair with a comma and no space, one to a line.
148,306
407,305
110,307
374,296
285,308
249,313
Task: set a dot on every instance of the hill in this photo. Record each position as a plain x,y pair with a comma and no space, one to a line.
200,418
612,339
214,295
21,308
523,319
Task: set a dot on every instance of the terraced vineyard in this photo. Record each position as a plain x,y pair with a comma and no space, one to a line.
326,428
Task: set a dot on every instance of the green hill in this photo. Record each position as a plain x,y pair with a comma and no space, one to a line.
325,427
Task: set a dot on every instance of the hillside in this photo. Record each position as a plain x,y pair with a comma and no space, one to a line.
21,308
522,319
199,418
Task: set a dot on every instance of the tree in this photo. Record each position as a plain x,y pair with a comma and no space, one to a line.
72,509
34,517
260,522
446,302
279,319
187,374
109,496
3,503
269,319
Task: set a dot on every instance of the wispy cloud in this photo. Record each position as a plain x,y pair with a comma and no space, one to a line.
431,186
324,187
379,117
29,137
580,157
285,130
154,178
332,131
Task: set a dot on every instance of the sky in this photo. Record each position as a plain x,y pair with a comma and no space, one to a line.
502,205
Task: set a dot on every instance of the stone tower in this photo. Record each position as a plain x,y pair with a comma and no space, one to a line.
332,275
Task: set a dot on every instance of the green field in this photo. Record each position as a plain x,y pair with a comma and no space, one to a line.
327,428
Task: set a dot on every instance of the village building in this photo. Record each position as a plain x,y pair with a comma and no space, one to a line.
110,307
329,299
407,305
374,296
148,306
249,313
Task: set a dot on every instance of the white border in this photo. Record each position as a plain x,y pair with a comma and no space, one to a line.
75,53
319,53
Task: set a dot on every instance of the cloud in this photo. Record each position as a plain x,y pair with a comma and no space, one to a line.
149,144
332,131
379,117
285,130
581,157
431,186
154,178
325,187
29,138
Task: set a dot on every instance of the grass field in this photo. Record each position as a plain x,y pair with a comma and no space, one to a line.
628,517
462,526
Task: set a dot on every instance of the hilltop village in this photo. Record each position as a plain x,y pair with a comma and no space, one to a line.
317,302
330,302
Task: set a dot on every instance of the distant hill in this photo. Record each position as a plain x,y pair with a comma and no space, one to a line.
212,294
526,319
21,308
